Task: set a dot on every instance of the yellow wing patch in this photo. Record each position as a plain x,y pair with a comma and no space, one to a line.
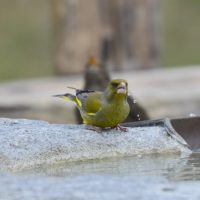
66,98
91,114
78,102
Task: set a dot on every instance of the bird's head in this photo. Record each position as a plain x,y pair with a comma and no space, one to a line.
92,60
92,67
96,75
117,88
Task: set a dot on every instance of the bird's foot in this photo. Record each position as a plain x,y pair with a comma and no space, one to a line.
121,128
94,128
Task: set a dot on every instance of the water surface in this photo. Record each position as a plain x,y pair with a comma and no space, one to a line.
174,167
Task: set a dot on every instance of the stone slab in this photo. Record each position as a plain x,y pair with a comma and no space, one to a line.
29,143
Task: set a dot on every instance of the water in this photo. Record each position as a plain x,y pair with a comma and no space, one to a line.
155,176
174,167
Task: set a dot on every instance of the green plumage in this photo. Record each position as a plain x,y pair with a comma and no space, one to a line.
102,109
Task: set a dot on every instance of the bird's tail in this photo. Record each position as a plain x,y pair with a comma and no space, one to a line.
69,97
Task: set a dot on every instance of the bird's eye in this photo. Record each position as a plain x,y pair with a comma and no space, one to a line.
114,84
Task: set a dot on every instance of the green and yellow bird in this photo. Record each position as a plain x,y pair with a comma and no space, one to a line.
102,109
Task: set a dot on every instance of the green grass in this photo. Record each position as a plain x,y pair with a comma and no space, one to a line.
181,32
25,39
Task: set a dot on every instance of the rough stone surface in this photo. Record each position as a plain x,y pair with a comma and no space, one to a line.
27,143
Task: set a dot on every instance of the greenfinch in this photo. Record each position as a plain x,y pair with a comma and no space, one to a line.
97,77
105,109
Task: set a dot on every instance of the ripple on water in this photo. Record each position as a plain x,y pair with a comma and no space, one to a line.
174,167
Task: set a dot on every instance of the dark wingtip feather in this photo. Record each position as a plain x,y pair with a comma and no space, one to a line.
58,95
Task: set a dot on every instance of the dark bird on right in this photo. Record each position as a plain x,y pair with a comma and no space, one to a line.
96,77
137,112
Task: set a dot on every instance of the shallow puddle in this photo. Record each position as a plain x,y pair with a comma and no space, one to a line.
174,167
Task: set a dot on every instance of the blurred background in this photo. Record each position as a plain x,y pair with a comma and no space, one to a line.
45,46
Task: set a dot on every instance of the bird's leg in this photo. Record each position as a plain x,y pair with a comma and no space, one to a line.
94,128
121,128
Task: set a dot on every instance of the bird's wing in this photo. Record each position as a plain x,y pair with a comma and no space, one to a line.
90,101
137,112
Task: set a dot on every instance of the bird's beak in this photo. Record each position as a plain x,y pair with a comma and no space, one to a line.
122,88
